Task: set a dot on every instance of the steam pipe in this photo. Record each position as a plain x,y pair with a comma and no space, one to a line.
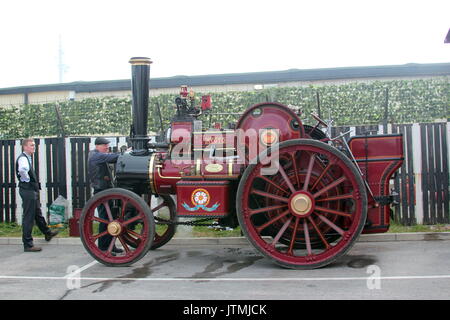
140,74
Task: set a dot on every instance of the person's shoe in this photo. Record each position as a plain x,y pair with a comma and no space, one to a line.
117,250
114,251
50,235
32,249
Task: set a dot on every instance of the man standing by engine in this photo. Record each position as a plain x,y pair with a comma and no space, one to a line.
29,192
100,178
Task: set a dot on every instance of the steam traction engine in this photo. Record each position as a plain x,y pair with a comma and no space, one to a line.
301,198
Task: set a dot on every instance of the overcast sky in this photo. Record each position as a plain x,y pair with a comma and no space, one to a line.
213,37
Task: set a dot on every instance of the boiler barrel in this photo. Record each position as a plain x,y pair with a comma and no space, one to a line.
132,172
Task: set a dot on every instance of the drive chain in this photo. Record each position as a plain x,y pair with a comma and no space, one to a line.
196,223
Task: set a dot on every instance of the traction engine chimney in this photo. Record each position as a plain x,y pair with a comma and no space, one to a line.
140,73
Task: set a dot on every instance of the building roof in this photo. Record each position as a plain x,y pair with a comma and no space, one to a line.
407,70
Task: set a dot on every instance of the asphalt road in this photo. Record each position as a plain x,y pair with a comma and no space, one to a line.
371,270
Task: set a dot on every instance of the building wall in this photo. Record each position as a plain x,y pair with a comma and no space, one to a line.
11,99
52,96
100,94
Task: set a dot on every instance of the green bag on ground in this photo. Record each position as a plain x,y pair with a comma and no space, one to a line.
57,213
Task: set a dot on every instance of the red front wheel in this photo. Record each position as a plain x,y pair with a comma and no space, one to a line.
309,210
105,227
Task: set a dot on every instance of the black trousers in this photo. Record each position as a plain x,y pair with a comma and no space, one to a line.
31,214
105,241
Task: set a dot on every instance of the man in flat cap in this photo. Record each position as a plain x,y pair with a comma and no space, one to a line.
100,178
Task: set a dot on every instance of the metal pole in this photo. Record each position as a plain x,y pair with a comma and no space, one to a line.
318,104
386,110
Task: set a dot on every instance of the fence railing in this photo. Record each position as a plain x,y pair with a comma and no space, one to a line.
422,183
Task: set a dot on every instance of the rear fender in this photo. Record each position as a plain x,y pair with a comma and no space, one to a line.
378,157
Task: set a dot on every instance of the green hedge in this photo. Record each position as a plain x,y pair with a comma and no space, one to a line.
348,104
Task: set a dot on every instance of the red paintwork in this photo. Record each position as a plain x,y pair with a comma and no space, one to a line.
166,174
217,139
385,156
252,227
231,182
218,194
181,132
206,103
89,237
272,115
184,91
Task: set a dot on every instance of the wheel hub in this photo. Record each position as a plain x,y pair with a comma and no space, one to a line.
114,228
301,204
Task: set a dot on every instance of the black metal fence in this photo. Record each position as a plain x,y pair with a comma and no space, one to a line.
55,165
422,183
435,173
7,181
80,184
404,181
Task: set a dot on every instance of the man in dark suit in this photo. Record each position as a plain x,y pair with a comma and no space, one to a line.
29,187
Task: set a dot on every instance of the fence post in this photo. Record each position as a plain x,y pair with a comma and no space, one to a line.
19,209
417,165
352,131
68,151
446,168
43,176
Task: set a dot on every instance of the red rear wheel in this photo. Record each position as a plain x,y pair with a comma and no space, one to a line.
163,210
309,211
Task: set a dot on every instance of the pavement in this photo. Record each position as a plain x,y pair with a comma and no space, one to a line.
377,237
195,270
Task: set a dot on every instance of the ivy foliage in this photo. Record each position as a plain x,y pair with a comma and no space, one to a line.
357,103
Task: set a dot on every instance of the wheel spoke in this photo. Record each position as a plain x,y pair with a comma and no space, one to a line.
330,186
325,242
286,179
137,235
309,171
338,197
99,220
134,219
108,210
124,206
272,183
266,209
104,233
336,212
124,245
268,223
307,240
294,233
111,245
331,224
269,195
321,176
294,162
280,233
161,205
